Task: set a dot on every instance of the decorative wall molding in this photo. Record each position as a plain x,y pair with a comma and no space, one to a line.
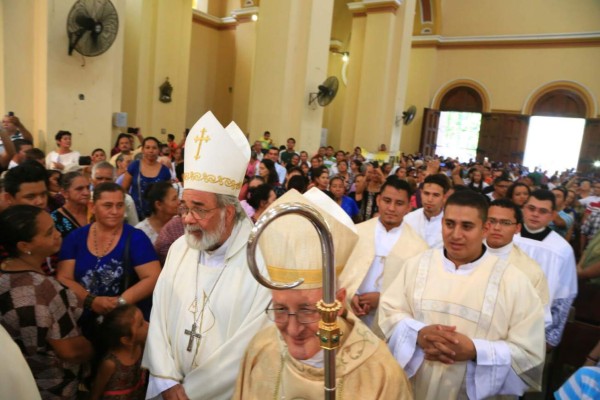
581,90
362,8
477,86
549,39
237,17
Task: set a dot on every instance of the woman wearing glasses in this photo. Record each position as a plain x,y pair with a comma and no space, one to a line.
108,263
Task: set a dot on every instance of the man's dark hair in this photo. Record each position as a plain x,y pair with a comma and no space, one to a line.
502,178
440,180
59,135
563,190
171,136
507,203
544,195
98,149
34,154
398,184
19,143
292,139
290,168
469,198
29,171
274,148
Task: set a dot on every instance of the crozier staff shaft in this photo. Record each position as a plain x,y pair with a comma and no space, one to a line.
329,332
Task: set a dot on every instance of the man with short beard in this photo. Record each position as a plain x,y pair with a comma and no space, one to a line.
206,304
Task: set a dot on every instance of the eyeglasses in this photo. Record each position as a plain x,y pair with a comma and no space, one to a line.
281,315
197,213
541,211
502,222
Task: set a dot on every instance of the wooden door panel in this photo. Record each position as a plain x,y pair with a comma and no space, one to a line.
429,131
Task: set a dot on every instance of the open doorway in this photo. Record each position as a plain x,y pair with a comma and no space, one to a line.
553,143
458,135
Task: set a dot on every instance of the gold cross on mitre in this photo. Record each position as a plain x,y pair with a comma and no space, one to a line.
200,139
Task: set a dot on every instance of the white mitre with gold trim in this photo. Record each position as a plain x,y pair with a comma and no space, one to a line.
216,158
291,247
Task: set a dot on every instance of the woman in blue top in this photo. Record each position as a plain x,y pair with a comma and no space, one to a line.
141,173
338,189
94,263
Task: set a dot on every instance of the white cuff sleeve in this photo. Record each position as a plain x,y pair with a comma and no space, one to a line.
492,374
158,385
403,345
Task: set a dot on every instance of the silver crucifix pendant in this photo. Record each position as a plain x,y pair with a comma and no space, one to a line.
193,335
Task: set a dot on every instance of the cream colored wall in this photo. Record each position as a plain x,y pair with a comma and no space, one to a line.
158,46
18,60
245,48
491,17
211,67
42,82
509,75
97,78
290,62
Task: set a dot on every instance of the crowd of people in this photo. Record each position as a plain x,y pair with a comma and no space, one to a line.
124,274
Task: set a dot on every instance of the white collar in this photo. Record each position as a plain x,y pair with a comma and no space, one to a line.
501,252
383,229
464,269
316,361
435,218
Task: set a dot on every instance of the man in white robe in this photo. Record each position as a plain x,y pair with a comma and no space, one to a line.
427,220
380,239
505,220
206,304
554,255
285,360
460,321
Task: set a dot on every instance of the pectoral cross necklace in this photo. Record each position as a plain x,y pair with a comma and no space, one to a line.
196,333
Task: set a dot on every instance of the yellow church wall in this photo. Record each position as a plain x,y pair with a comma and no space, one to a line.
333,114
510,75
517,17
98,79
211,70
245,48
18,60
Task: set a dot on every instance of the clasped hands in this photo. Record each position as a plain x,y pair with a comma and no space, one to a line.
363,304
442,343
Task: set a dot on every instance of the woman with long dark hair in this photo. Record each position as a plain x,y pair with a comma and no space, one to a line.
44,321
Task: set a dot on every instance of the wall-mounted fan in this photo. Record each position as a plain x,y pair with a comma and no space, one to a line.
92,27
409,115
326,93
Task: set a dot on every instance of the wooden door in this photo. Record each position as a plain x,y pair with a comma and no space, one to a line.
429,131
502,137
590,145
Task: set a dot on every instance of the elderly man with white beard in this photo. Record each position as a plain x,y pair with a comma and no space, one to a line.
207,306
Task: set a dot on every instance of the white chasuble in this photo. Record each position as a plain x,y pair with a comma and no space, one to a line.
489,301
233,305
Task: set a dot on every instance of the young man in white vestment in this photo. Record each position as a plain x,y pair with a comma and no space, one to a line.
206,304
505,220
554,255
285,360
460,321
427,220
383,243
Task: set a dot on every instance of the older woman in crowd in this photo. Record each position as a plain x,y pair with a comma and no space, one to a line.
44,322
75,188
63,158
163,201
141,173
108,263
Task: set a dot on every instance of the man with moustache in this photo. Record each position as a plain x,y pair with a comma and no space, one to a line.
206,304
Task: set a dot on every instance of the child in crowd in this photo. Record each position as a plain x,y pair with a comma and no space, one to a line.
120,375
